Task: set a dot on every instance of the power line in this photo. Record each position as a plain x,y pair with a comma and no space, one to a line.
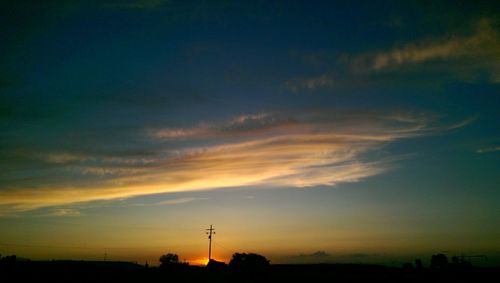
227,249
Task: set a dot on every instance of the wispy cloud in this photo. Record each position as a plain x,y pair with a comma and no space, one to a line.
63,212
316,257
483,43
467,57
178,201
248,124
488,149
362,255
325,257
264,150
310,83
134,4
62,157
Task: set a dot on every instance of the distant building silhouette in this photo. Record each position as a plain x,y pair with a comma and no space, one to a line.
214,265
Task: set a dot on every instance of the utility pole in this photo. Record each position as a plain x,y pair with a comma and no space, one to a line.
210,232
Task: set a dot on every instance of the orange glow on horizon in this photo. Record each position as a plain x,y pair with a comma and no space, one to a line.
202,261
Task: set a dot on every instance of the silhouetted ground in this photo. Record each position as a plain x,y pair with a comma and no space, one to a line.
95,271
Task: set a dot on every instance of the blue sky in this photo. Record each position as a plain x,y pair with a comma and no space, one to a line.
367,131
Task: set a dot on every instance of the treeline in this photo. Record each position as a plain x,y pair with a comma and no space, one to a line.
243,267
239,262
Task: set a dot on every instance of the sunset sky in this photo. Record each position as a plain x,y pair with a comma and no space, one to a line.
306,131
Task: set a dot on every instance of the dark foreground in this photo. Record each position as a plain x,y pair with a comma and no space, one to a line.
89,271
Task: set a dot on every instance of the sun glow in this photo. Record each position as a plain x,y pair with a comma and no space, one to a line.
202,261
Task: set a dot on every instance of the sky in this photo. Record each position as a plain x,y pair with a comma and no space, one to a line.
306,131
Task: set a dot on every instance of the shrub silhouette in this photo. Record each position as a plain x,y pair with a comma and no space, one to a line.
407,265
418,264
8,259
169,260
439,261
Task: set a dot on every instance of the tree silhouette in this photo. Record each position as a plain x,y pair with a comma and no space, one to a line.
407,265
169,260
248,262
8,258
418,263
439,261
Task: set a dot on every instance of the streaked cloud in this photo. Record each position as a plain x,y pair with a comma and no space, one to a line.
268,150
362,255
310,83
134,4
316,257
179,133
483,43
239,125
488,149
178,201
62,157
63,212
325,257
467,56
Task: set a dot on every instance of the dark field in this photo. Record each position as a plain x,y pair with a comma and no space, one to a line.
94,271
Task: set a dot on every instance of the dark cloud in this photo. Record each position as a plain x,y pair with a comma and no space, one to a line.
316,257
361,255
324,257
134,4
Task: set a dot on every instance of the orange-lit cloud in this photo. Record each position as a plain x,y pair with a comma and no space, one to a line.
483,43
239,125
263,150
477,50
